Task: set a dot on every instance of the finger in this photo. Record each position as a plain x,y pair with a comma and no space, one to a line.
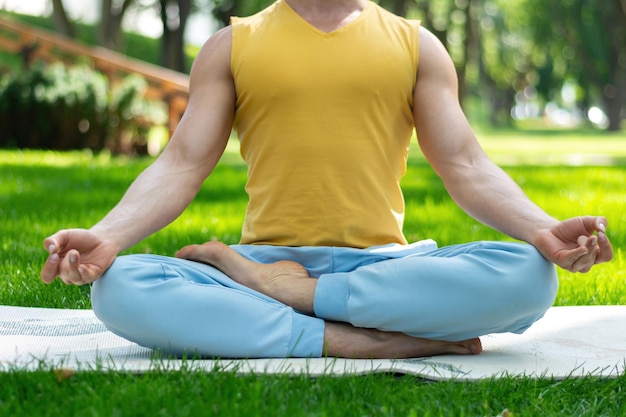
75,267
591,243
580,257
56,242
605,252
50,269
594,223
69,269
51,245
585,262
568,258
89,274
601,224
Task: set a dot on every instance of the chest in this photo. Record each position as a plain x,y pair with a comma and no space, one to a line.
289,63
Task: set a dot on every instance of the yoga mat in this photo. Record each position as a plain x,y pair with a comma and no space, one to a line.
567,342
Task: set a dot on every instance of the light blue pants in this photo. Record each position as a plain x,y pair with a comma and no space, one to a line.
452,293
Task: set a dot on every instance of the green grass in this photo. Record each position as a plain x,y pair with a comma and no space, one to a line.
190,393
41,192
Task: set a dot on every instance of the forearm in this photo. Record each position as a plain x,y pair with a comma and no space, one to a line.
481,188
489,195
155,199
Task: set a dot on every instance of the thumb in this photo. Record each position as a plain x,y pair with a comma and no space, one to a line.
50,269
53,244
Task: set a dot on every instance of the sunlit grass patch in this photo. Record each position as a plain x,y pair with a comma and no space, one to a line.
41,192
191,393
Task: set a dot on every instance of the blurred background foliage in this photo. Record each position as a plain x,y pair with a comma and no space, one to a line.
555,63
59,107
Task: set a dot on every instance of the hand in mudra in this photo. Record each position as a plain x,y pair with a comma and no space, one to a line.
77,256
576,244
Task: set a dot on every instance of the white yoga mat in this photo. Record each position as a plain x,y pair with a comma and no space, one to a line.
567,342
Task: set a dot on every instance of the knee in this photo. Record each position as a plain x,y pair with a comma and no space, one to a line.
115,294
534,279
541,272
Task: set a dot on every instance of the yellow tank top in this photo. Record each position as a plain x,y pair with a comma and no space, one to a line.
324,121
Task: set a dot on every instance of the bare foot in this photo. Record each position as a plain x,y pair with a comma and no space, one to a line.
285,281
346,341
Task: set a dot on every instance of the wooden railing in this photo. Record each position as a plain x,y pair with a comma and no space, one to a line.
31,43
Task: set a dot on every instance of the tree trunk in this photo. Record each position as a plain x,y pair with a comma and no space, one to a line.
398,7
615,94
606,77
614,99
111,17
174,14
471,47
61,21
620,7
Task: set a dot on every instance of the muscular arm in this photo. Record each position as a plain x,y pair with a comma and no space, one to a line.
161,193
476,184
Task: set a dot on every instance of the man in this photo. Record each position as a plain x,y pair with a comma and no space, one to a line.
324,95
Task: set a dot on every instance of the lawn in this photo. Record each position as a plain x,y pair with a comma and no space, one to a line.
40,192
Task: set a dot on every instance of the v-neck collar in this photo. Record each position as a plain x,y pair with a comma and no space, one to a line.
287,6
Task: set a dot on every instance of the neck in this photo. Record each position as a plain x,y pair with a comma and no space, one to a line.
328,15
325,5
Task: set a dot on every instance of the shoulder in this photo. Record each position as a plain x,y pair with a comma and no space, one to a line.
216,46
434,60
431,48
213,60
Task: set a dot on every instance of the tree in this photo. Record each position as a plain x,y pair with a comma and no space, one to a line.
174,15
110,25
224,9
61,20
111,15
439,18
586,41
506,66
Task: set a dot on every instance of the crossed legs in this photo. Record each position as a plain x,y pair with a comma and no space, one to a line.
289,283
258,305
